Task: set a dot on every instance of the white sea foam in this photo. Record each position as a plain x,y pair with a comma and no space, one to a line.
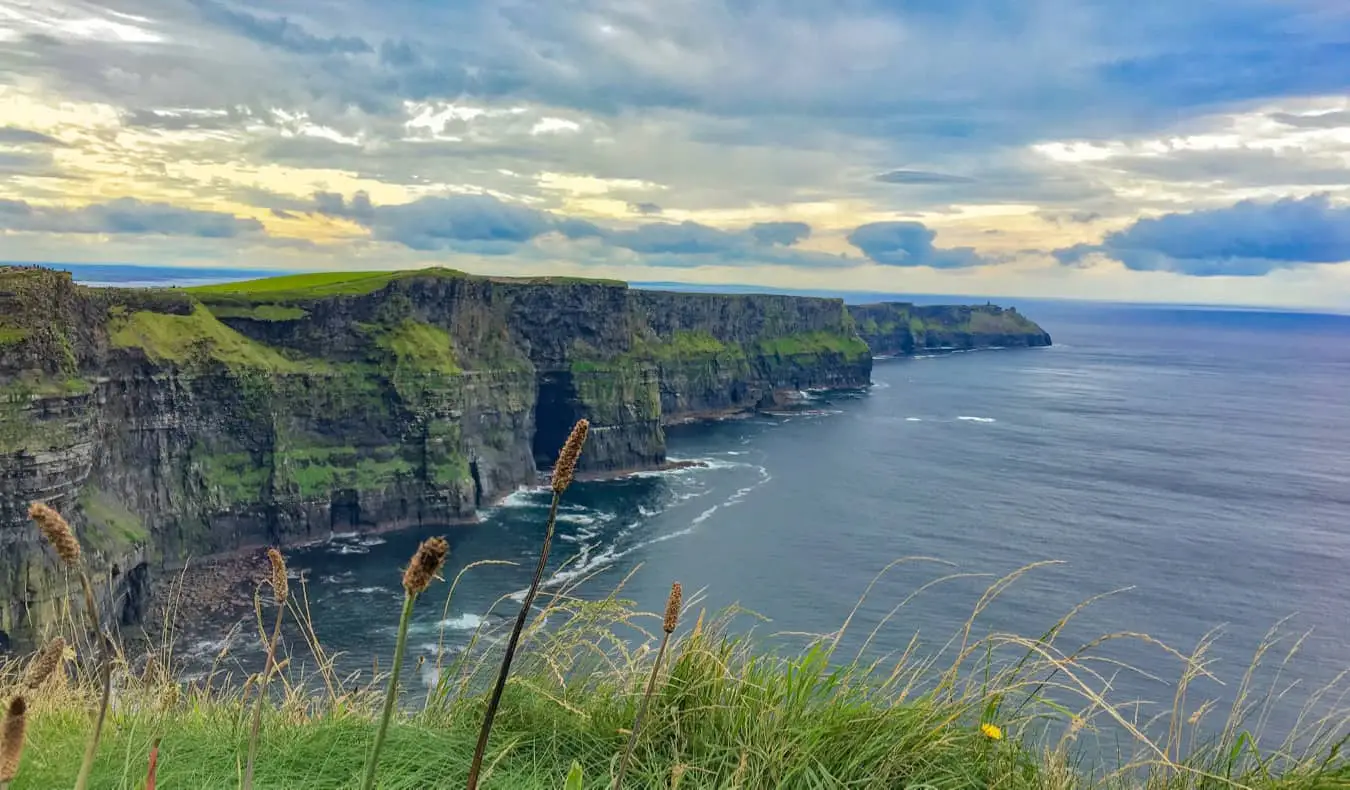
365,590
576,518
346,548
705,515
370,541
344,535
525,496
976,419
462,622
210,648
913,419
587,562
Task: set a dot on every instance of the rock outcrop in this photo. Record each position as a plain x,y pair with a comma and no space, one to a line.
169,423
902,328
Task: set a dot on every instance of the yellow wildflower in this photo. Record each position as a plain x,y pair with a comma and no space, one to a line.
991,731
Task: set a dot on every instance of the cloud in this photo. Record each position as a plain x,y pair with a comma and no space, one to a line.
781,233
488,225
644,208
1325,120
1073,217
909,244
13,135
919,177
124,215
685,238
438,222
280,32
333,204
1247,239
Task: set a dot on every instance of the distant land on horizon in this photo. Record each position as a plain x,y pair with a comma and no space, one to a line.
132,275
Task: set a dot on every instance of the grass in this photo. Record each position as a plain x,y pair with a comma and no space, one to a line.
198,338
414,348
320,285
310,286
724,714
803,344
112,527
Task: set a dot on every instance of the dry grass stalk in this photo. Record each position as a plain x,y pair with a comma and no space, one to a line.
280,586
563,473
566,467
58,533
11,740
424,567
45,663
668,624
673,603
279,593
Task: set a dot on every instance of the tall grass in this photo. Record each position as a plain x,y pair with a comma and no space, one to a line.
590,690
724,712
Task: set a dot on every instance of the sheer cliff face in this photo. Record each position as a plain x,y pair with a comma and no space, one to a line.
901,328
169,423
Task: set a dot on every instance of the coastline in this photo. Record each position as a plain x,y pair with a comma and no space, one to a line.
223,583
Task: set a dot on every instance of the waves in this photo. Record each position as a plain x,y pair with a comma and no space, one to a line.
976,419
602,537
351,543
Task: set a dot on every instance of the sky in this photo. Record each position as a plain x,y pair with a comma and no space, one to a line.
1138,150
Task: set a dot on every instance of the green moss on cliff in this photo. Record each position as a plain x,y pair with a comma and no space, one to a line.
415,347
684,344
804,344
232,478
318,471
619,391
197,338
10,336
112,527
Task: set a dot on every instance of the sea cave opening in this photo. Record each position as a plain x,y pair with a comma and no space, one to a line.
555,412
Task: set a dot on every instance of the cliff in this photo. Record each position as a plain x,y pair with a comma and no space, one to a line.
166,423
902,328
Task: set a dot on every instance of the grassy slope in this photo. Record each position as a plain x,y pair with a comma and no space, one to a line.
166,337
723,716
308,287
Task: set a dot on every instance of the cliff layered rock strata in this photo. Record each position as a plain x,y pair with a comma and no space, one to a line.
170,423
903,329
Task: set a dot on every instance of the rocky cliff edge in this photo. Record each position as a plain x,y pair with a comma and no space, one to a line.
168,423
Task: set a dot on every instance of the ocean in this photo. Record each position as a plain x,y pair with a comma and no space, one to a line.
1190,465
